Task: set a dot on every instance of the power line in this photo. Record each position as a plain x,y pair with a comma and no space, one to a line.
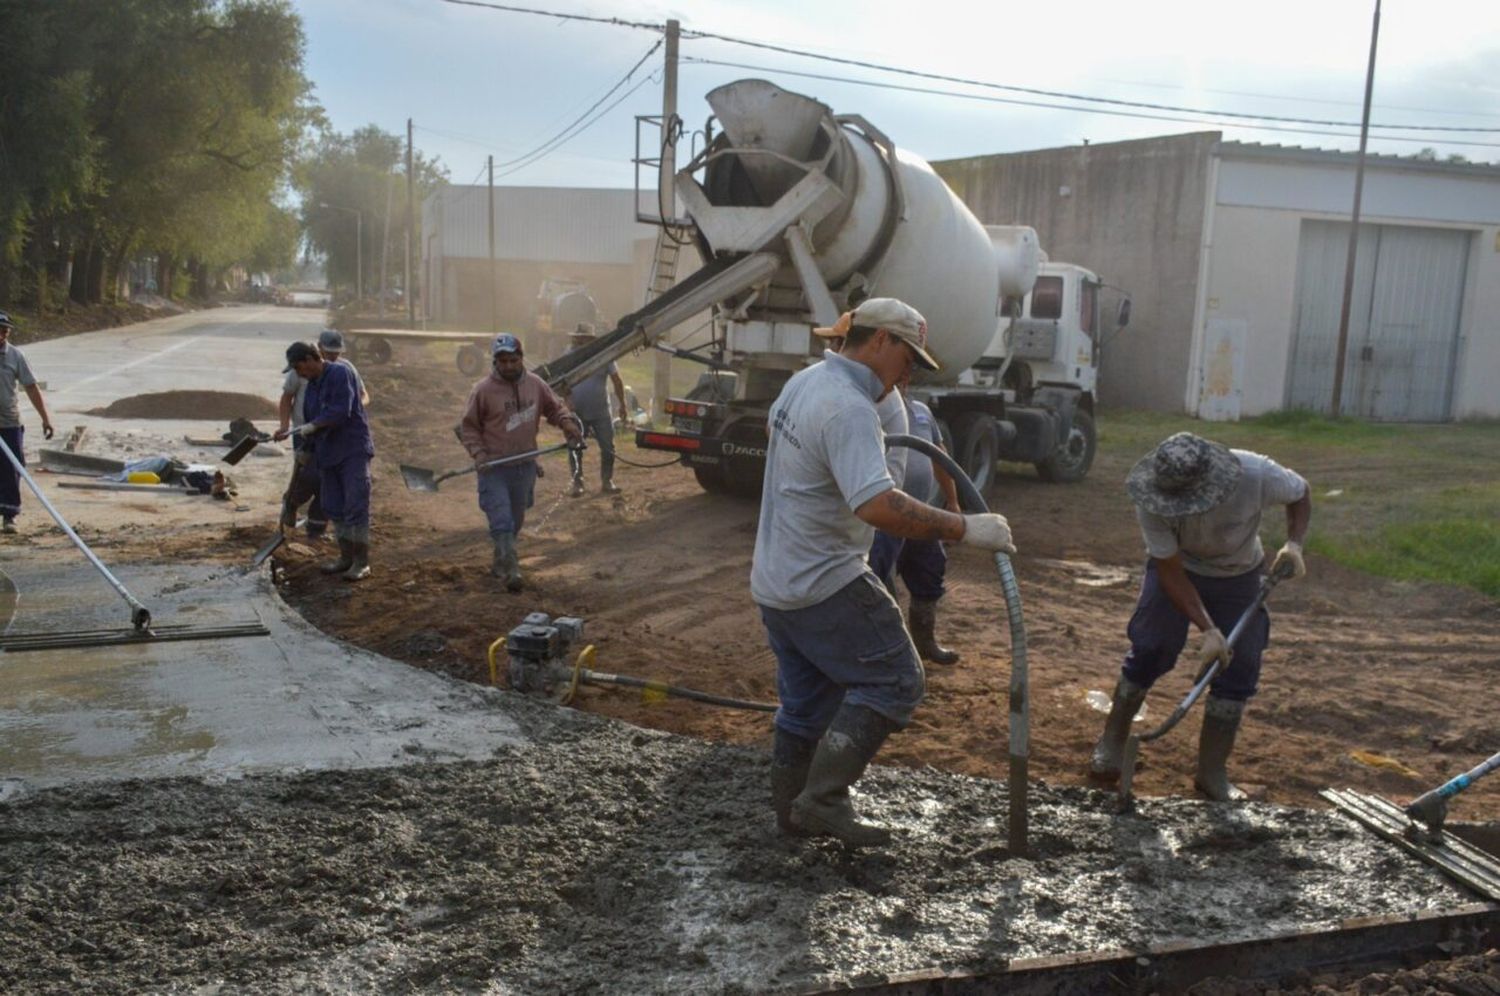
1016,101
563,136
616,21
542,153
1056,94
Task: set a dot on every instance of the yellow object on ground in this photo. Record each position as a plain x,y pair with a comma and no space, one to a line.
1370,760
143,477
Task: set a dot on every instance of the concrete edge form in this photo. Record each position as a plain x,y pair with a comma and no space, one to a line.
1173,967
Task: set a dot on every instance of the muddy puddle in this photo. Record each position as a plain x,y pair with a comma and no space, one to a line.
604,858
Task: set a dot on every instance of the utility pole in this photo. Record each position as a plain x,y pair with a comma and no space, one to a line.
385,244
494,305
666,192
1359,187
411,213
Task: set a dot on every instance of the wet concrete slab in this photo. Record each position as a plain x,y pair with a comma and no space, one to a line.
295,700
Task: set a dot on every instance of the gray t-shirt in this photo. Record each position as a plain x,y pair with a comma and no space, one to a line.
15,373
1225,541
824,460
590,397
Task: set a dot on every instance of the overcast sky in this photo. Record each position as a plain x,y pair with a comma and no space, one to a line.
479,81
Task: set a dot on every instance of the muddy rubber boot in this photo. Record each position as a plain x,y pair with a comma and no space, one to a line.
1221,721
609,487
346,552
921,618
513,579
823,809
791,756
359,549
1104,763
503,542
576,491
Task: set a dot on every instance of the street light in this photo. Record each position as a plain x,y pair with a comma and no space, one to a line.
359,246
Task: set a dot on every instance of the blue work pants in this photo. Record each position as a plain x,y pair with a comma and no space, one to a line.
601,429
505,493
1158,632
851,647
10,481
344,490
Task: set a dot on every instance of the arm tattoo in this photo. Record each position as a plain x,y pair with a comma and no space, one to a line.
923,521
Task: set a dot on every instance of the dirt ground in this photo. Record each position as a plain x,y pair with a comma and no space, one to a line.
222,405
1357,664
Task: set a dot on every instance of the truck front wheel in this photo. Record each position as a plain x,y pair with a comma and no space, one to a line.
976,447
1071,461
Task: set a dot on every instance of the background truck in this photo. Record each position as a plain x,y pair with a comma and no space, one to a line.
799,214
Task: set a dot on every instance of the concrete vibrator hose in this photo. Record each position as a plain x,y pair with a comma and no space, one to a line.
1020,710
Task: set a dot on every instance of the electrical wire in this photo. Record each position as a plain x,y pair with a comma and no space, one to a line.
542,153
1057,94
616,21
1016,101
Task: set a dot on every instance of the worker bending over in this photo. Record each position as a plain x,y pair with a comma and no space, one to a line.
1199,504
502,418
342,449
847,673
303,487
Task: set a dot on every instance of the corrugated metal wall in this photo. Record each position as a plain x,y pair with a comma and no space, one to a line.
1403,321
576,225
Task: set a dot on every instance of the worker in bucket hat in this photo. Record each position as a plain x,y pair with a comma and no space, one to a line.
847,673
504,411
1199,504
15,372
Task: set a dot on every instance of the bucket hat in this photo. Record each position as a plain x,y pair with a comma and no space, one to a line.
1184,475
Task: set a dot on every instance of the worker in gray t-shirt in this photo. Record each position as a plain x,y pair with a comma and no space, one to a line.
15,371
303,487
1199,504
847,674
590,402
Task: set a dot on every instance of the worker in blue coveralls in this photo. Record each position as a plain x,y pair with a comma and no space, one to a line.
846,672
1199,505
921,563
342,448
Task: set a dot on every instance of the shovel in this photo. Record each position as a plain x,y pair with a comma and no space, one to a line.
238,451
1133,744
421,479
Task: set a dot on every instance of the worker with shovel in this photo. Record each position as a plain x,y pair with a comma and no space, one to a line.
342,450
14,371
503,415
1199,504
847,673
303,487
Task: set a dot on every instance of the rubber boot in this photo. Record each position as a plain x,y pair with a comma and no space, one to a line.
791,756
359,548
609,487
511,566
921,619
503,543
576,491
823,808
346,551
1221,721
1104,763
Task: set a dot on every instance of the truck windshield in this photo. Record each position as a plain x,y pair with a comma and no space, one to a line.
1047,297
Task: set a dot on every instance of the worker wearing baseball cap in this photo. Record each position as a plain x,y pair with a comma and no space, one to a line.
342,451
303,486
847,673
504,411
1199,504
15,370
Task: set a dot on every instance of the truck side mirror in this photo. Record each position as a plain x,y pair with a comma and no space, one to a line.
1123,319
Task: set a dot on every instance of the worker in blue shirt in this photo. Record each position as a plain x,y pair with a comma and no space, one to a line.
342,448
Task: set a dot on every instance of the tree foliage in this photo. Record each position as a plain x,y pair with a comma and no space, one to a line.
146,126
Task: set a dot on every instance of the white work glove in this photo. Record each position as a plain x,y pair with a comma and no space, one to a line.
1211,646
988,531
1291,554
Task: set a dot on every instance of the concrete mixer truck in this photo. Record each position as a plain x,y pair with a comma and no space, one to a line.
799,214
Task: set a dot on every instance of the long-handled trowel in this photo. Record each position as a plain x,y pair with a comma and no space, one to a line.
1431,808
1133,744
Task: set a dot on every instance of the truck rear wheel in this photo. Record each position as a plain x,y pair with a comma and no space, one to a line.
710,478
975,447
470,360
1071,461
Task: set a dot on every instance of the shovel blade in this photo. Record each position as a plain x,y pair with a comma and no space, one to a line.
419,478
270,547
238,450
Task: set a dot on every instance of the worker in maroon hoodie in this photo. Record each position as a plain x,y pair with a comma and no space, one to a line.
504,412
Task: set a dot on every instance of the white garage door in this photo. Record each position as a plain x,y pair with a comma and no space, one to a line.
1403,321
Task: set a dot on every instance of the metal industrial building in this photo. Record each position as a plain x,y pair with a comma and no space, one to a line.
541,233
1234,255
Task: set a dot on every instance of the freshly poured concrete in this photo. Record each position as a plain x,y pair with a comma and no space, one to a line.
294,701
